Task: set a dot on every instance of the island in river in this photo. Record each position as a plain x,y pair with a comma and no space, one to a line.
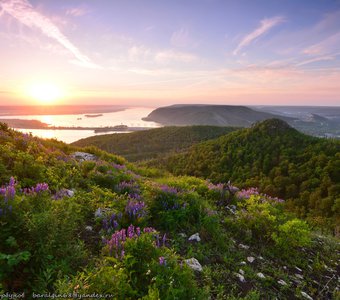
35,124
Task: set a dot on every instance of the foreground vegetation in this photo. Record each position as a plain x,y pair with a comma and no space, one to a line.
80,224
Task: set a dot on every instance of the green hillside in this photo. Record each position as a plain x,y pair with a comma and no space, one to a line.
276,158
153,143
203,114
80,222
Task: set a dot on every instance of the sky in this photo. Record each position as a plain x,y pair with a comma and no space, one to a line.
160,52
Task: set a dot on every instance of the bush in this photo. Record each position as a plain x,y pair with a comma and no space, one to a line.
292,234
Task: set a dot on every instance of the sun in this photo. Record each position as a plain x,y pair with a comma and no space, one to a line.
45,93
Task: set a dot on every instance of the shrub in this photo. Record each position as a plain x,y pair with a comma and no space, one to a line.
294,233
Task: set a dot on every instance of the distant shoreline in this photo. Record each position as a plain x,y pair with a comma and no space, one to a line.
35,124
59,110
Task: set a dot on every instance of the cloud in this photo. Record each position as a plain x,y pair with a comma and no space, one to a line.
142,54
182,38
24,12
316,59
77,11
265,26
138,53
174,56
326,46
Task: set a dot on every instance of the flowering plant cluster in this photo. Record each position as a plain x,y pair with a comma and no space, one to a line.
8,193
118,238
135,209
39,188
247,193
111,223
168,189
118,167
130,187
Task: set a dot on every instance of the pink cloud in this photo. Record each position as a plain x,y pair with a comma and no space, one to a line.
265,26
24,12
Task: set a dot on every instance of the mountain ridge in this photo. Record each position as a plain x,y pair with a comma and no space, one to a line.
221,115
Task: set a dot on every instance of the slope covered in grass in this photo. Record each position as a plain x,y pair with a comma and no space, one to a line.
95,225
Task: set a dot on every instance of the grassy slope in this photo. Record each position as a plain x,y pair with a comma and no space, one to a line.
154,142
47,245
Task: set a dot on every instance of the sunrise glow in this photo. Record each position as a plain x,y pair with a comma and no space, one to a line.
45,93
156,53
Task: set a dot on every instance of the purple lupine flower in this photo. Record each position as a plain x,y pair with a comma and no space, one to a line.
131,231
128,187
8,193
162,261
118,167
105,225
138,231
164,239
167,189
135,196
39,188
135,209
115,224
149,229
247,193
12,181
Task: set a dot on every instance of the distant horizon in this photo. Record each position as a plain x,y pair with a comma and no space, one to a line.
155,106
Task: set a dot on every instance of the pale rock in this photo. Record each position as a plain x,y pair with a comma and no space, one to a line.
98,213
69,193
282,282
89,228
240,277
183,235
298,269
250,259
241,271
243,263
194,264
306,296
243,246
261,275
83,156
195,237
299,276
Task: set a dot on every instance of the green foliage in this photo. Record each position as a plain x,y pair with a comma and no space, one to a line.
293,233
139,274
55,238
278,159
258,216
153,143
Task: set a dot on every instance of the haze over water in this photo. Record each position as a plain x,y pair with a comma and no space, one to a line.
131,117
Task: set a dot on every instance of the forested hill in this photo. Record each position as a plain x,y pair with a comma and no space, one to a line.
276,158
221,115
154,143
